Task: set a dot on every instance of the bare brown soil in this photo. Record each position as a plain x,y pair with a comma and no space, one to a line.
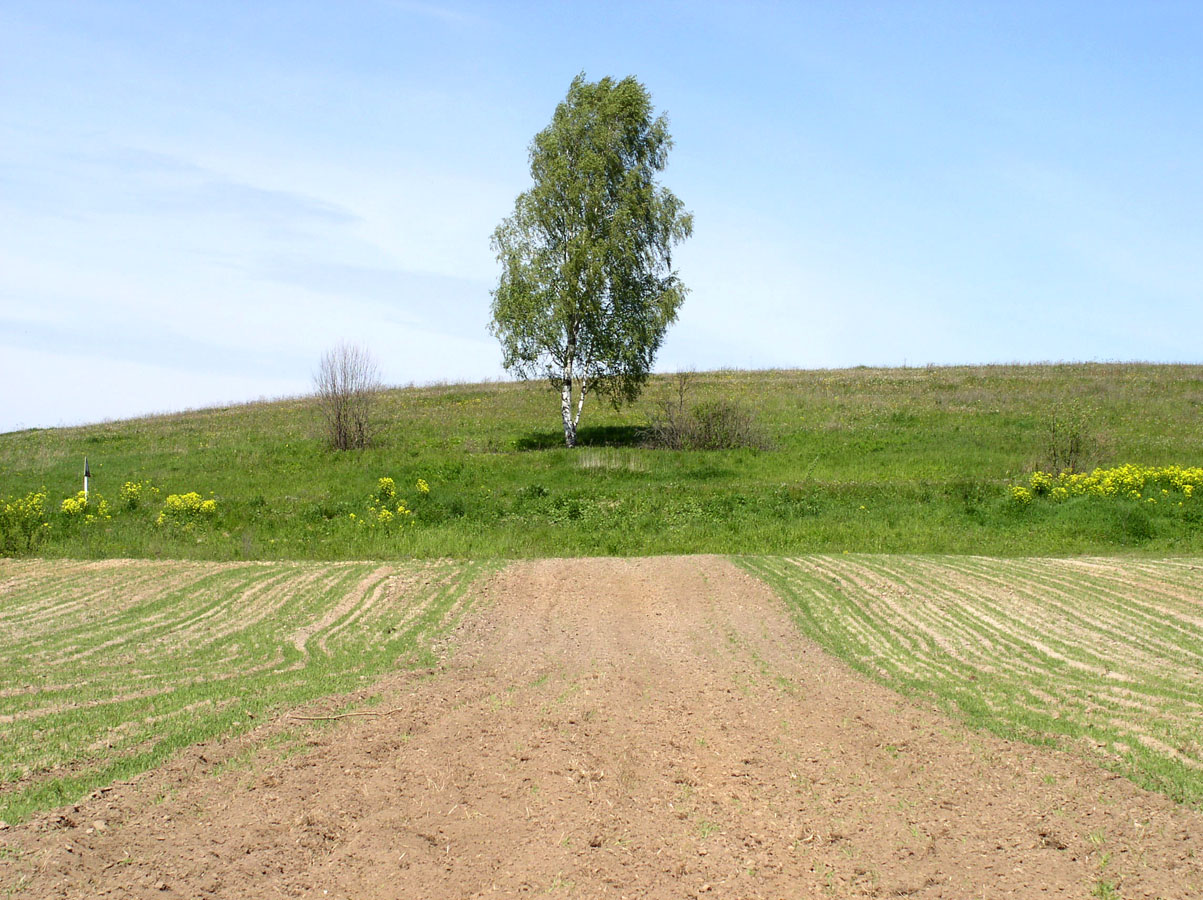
625,728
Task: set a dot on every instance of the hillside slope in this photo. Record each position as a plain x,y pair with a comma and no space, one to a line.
878,460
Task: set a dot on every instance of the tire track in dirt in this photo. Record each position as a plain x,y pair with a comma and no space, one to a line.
626,728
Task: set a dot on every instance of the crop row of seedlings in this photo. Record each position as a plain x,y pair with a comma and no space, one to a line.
112,667
1099,656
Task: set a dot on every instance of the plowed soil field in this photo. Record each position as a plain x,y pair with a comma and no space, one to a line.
624,728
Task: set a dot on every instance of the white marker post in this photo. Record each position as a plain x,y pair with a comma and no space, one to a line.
87,475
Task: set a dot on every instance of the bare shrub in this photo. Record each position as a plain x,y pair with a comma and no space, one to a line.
723,424
347,385
668,427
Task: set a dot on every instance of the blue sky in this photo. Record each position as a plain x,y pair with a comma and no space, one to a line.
198,198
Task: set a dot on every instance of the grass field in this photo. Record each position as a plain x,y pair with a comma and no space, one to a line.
1100,657
869,460
107,668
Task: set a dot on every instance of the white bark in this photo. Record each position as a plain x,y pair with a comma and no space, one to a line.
572,420
580,404
566,409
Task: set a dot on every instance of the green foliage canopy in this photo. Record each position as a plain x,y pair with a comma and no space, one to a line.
587,289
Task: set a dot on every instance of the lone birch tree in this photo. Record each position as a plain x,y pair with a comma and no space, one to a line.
587,287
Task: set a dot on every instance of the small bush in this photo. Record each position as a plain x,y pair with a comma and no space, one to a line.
347,386
1069,439
724,425
709,425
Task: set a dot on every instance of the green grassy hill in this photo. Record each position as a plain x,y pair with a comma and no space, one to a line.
875,460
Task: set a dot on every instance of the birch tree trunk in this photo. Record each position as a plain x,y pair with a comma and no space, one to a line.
566,410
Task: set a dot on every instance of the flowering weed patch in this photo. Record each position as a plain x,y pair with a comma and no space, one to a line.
1149,484
134,493
86,508
387,509
186,510
23,522
1021,495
